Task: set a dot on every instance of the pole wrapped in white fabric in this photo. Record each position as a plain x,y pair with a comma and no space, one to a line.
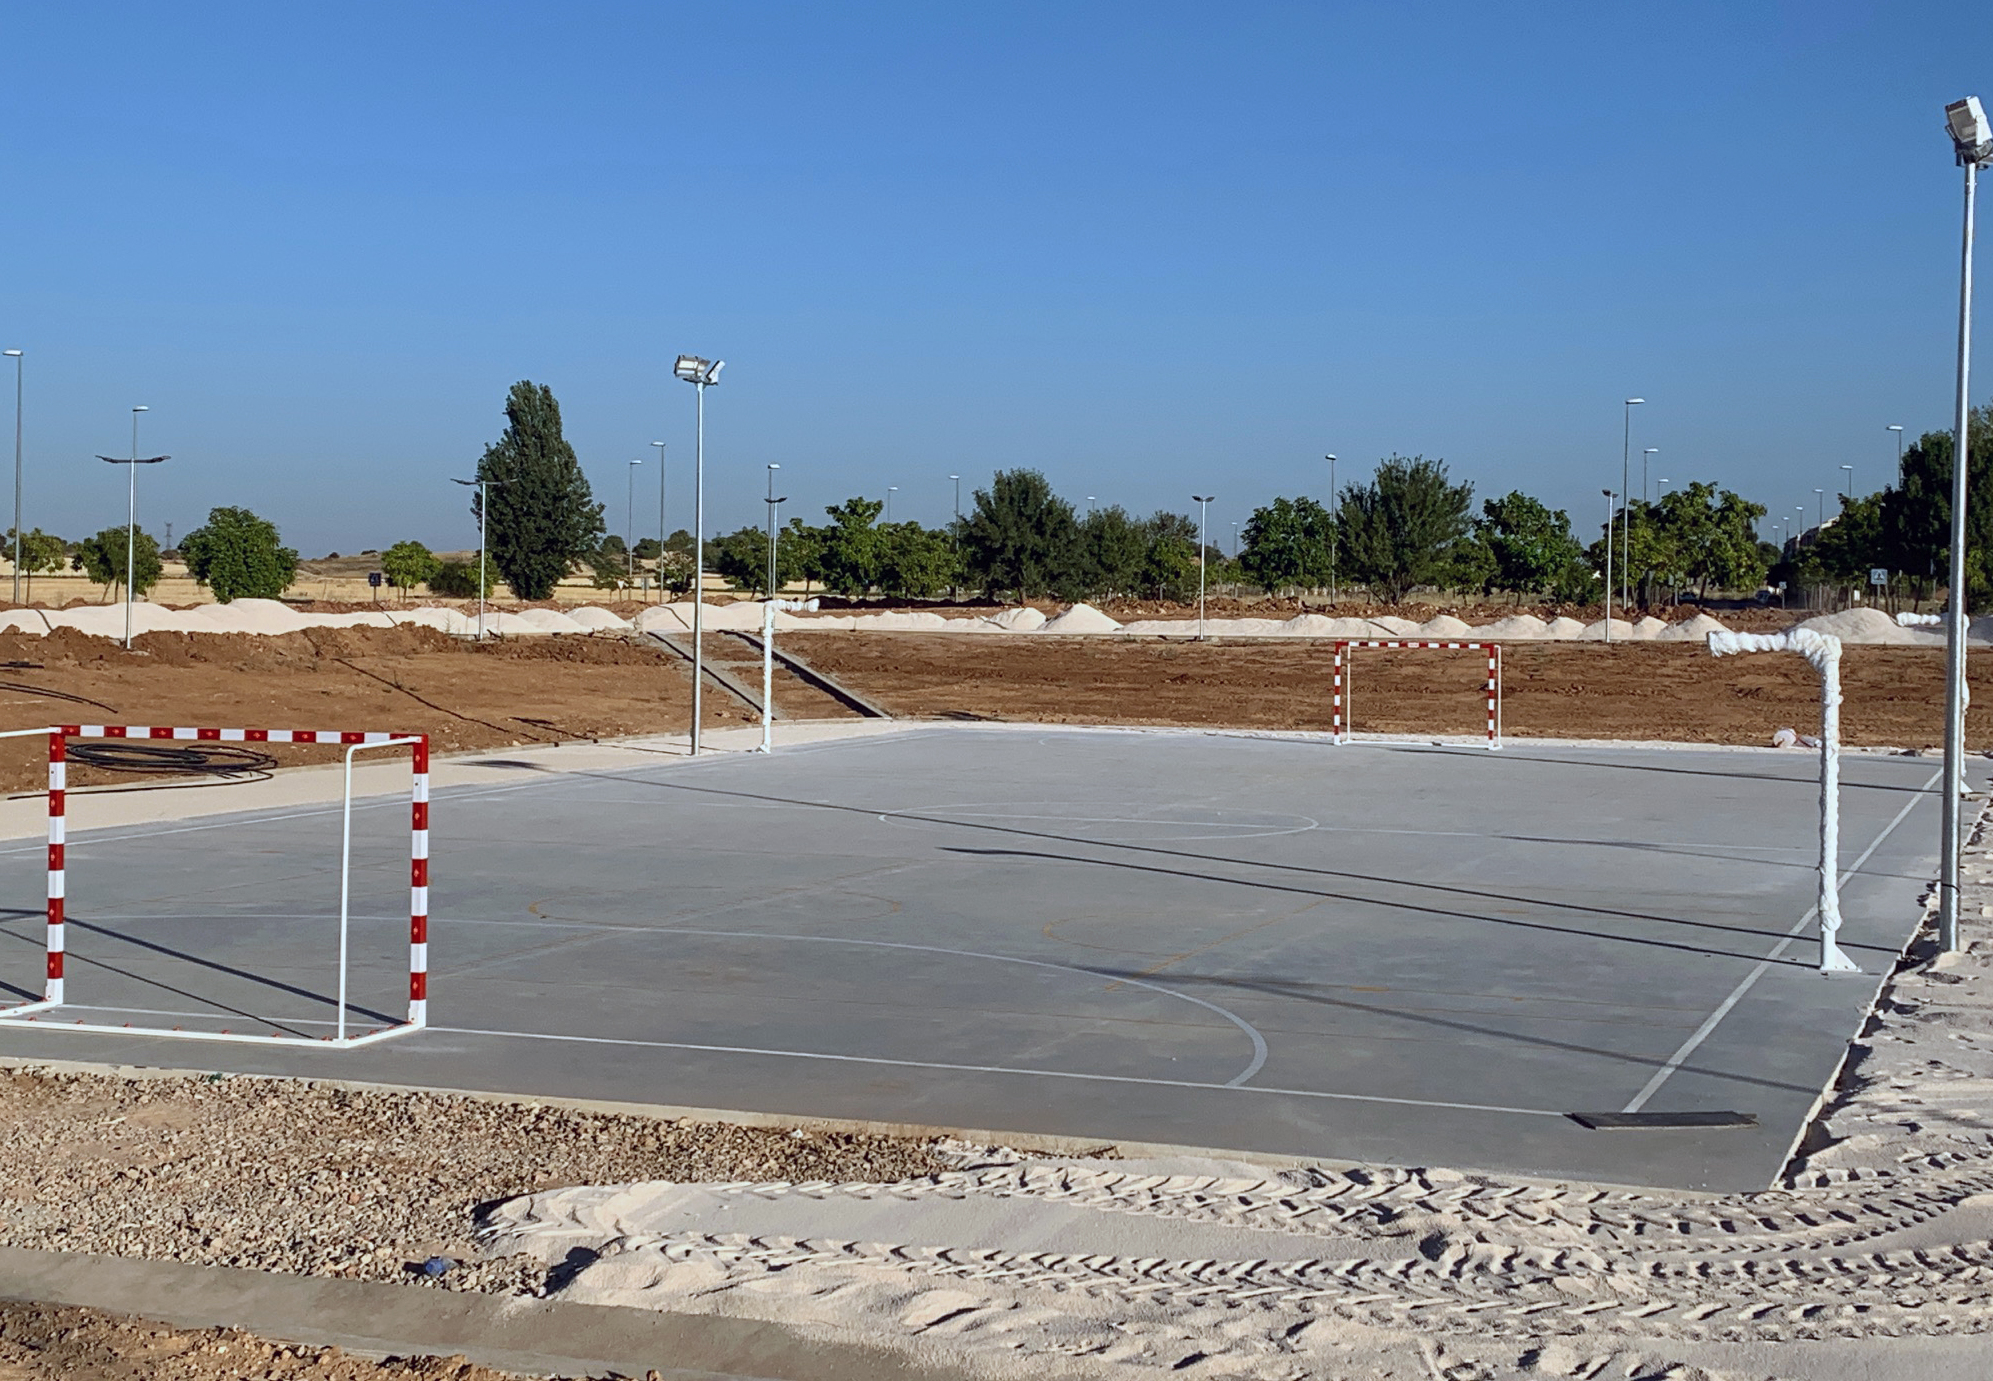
1824,652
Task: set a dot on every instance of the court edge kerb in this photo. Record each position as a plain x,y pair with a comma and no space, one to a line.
53,993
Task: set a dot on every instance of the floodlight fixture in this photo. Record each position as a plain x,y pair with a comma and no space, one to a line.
699,372
1971,134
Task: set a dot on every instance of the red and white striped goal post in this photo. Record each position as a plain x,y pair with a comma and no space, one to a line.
53,995
1345,680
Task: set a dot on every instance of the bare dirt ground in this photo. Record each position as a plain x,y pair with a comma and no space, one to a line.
1894,696
464,695
40,1342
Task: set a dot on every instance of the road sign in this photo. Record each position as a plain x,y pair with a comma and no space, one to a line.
374,579
1878,575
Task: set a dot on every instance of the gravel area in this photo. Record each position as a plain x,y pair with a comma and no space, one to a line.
40,1342
312,1179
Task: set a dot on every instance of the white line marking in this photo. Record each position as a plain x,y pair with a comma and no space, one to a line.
1763,966
1233,1087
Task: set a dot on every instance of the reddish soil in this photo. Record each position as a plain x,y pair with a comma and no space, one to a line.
1893,696
464,695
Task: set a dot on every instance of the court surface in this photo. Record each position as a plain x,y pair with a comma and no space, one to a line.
1411,955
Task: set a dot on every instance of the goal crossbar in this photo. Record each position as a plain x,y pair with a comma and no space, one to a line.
53,992
1344,683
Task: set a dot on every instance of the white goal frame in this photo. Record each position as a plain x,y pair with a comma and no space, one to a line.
54,991
1345,681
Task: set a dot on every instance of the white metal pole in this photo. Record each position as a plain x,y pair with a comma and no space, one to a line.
630,525
483,516
1625,528
1335,525
131,522
698,562
1955,607
768,675
660,520
18,356
1608,566
345,882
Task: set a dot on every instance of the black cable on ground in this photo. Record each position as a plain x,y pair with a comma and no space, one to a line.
206,759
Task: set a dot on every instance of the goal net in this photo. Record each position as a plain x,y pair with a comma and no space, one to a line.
1345,680
257,927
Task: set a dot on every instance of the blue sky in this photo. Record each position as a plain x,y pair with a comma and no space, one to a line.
1149,248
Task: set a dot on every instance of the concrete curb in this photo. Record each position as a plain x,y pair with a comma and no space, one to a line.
367,1318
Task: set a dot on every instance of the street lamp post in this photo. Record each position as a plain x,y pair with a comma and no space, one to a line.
630,524
1972,142
1850,482
891,490
483,487
1820,508
660,520
17,355
1333,526
1660,488
1650,451
1235,541
1608,565
701,374
1893,427
131,509
1625,528
773,504
1202,500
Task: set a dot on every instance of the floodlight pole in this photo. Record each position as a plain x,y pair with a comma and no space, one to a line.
1335,525
1974,151
1608,565
1649,451
773,504
1625,528
660,520
630,524
699,373
17,473
1202,500
131,509
1893,427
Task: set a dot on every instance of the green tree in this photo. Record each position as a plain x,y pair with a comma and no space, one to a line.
741,559
648,549
850,551
1287,543
1531,544
408,564
1916,513
1400,529
238,555
1020,538
1169,558
916,562
1113,548
102,558
458,580
41,552
543,517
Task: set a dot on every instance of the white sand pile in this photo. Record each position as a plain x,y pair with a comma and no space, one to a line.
1312,626
918,621
1563,628
1081,618
1025,620
1444,626
819,623
1391,626
597,620
1648,629
1595,632
1693,630
665,618
1872,626
1168,628
550,620
1514,628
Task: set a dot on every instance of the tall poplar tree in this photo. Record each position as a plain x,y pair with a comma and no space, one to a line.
543,516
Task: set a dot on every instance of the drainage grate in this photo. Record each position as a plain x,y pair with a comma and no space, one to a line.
1660,1121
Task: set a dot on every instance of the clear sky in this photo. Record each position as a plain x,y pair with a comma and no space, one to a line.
1150,248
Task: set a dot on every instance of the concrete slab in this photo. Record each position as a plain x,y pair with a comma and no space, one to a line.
533,1337
1376,953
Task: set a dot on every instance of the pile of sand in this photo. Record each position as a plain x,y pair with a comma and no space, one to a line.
1025,620
1445,626
1622,631
1081,618
1872,626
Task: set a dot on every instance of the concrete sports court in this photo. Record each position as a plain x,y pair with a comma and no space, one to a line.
1405,954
